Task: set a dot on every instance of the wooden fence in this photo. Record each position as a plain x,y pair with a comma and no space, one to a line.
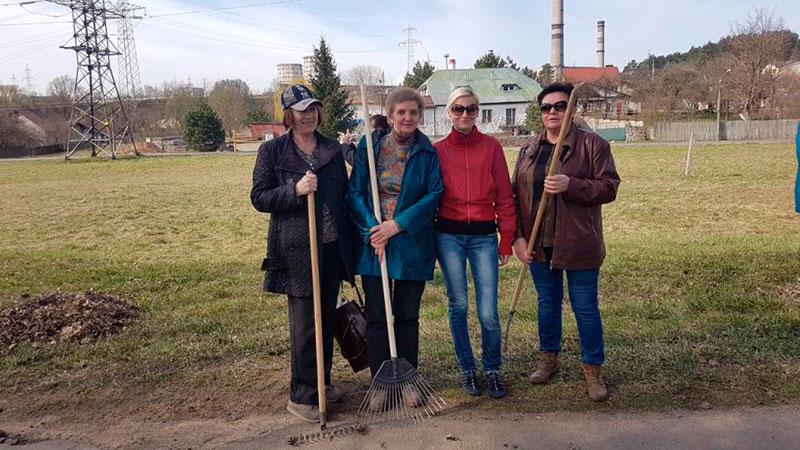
739,130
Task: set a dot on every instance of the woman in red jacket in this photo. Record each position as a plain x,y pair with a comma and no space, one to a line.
477,202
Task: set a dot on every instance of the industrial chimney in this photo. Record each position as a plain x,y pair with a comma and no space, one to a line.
452,64
557,39
601,43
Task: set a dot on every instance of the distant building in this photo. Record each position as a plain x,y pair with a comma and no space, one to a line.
602,92
289,72
266,130
504,94
595,75
308,67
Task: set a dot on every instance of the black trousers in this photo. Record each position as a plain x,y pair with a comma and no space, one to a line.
301,329
406,297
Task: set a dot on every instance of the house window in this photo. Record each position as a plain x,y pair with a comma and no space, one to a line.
511,117
509,87
486,116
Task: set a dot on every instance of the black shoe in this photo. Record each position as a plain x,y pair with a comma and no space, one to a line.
496,384
471,384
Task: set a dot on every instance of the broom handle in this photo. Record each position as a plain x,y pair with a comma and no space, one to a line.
551,170
376,205
312,237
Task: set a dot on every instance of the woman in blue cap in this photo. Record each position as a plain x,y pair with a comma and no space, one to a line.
287,169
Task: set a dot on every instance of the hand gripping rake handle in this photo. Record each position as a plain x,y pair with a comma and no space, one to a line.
376,205
312,237
537,223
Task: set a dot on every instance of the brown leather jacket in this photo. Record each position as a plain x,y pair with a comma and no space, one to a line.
586,159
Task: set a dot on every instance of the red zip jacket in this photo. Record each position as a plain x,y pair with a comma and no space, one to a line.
477,187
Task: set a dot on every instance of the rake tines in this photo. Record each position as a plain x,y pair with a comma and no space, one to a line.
327,434
398,393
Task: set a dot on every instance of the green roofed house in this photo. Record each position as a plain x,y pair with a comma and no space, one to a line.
504,94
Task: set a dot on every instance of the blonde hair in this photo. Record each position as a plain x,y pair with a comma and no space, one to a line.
462,91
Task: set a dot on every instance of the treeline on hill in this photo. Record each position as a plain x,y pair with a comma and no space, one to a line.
755,73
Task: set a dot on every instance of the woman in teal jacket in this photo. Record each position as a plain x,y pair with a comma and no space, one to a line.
409,188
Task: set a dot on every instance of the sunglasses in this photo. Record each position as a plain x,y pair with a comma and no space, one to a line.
559,106
459,109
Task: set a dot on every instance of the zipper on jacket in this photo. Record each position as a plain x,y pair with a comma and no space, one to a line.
466,158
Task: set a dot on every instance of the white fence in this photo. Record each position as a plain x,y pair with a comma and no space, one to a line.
739,130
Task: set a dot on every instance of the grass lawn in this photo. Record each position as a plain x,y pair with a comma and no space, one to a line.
690,292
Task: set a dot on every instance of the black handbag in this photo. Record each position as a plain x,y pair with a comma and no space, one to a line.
351,332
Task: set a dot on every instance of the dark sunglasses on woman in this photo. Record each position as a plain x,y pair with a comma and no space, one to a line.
459,109
559,106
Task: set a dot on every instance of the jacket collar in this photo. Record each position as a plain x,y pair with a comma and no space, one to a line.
458,138
420,142
291,161
569,142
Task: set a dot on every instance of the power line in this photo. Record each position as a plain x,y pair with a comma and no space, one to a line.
224,8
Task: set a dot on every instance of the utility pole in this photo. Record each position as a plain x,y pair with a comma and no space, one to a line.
410,42
719,104
29,89
98,118
130,80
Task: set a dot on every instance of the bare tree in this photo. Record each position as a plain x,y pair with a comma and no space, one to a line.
364,74
231,100
757,47
180,99
61,90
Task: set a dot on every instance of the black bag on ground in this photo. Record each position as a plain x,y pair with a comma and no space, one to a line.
351,332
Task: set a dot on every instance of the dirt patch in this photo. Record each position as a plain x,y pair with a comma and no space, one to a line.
64,317
792,293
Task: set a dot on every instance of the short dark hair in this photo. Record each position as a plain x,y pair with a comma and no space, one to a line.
379,121
556,87
288,120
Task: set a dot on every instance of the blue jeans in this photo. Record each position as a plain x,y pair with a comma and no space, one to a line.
453,251
582,286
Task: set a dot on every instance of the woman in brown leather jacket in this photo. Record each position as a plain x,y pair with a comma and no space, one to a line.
571,236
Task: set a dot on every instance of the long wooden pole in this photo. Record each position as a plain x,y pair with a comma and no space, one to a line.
376,206
312,237
689,156
551,170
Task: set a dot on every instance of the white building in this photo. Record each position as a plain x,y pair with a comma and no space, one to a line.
504,94
308,67
289,72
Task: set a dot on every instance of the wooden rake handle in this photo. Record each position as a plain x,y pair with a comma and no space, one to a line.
376,206
315,280
537,222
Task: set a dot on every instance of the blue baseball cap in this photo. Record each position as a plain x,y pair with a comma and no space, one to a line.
298,97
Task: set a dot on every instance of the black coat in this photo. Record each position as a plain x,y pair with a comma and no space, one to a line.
278,169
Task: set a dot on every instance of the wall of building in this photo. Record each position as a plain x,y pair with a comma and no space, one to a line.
436,122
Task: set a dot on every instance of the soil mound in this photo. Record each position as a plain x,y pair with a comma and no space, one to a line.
792,293
64,317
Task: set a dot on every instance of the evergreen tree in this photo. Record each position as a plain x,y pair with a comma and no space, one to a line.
419,74
203,129
258,113
533,118
546,75
337,111
489,61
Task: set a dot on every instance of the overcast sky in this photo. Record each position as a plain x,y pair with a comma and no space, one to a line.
248,43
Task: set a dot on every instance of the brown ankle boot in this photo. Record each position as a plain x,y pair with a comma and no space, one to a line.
594,382
547,367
